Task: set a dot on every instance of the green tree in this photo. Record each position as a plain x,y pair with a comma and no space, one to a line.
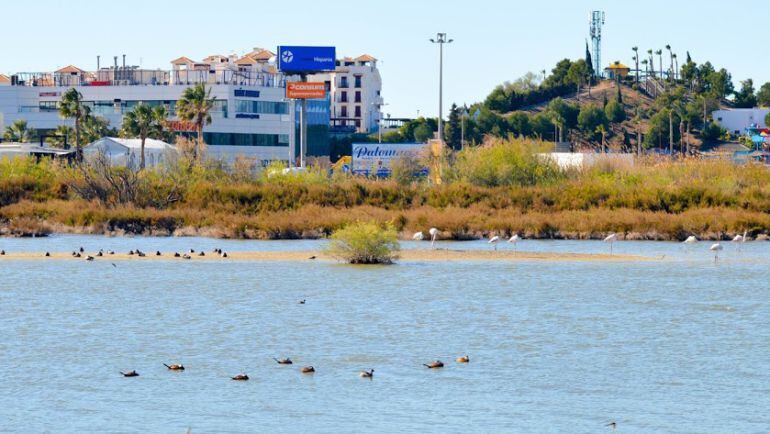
636,60
453,129
61,136
767,119
94,128
195,106
745,97
721,83
423,133
590,118
615,112
590,63
143,122
763,96
71,107
660,131
519,123
578,75
19,131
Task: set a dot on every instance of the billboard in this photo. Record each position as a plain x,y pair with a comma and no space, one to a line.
305,90
377,158
301,59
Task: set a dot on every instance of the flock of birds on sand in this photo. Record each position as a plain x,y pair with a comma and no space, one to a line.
610,239
369,373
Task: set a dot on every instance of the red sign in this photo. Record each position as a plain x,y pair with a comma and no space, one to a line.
48,94
305,90
181,126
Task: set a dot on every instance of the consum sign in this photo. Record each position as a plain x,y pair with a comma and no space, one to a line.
305,90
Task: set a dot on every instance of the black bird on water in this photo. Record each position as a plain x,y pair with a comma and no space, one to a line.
312,257
177,255
157,253
434,365
286,361
82,249
2,252
89,258
367,374
130,374
307,370
302,301
240,377
47,254
612,425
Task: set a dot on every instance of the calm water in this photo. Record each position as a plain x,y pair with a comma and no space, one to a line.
678,346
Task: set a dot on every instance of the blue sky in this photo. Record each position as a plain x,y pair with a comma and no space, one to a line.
495,40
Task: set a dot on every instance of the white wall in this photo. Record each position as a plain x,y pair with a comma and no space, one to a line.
739,119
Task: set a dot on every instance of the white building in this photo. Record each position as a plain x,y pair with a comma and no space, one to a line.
251,116
737,120
355,88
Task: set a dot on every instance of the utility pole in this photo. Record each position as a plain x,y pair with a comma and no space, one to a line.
441,39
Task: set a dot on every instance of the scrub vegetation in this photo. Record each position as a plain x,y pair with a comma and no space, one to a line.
364,243
501,187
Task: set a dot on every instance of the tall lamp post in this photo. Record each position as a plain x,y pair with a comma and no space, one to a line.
441,39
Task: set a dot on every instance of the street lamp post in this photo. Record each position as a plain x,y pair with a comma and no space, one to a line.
441,39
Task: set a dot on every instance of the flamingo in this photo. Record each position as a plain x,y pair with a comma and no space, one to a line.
716,248
418,236
433,234
514,240
494,240
740,239
611,239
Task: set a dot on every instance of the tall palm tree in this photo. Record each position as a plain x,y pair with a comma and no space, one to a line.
195,106
652,63
675,59
671,57
636,59
19,131
71,106
660,56
143,122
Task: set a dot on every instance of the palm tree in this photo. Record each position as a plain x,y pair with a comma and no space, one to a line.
601,129
71,106
660,56
61,136
636,59
671,56
675,59
195,106
652,63
19,131
143,122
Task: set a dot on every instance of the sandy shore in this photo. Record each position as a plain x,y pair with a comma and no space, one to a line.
405,256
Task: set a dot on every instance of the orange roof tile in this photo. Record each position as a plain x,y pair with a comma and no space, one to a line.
365,58
182,61
70,69
246,60
263,55
4,78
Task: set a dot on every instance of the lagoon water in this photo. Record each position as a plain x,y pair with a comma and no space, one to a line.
680,345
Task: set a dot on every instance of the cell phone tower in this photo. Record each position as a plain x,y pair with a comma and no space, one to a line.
597,21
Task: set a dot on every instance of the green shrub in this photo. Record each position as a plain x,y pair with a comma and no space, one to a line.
364,243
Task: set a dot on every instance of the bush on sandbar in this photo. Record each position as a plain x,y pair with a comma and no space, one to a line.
365,243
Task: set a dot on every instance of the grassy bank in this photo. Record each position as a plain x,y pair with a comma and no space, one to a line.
500,188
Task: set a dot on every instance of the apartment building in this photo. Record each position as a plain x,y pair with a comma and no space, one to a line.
251,116
356,94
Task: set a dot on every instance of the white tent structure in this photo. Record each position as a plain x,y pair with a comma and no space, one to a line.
122,151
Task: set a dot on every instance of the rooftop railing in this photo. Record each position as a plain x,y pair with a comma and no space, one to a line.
140,77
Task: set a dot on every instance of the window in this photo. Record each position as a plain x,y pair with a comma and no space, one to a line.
49,106
235,139
358,82
344,82
358,111
358,96
247,93
343,96
344,112
261,107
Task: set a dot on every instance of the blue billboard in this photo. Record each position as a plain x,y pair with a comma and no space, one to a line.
299,59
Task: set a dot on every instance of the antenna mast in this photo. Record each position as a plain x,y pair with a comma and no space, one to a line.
597,21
